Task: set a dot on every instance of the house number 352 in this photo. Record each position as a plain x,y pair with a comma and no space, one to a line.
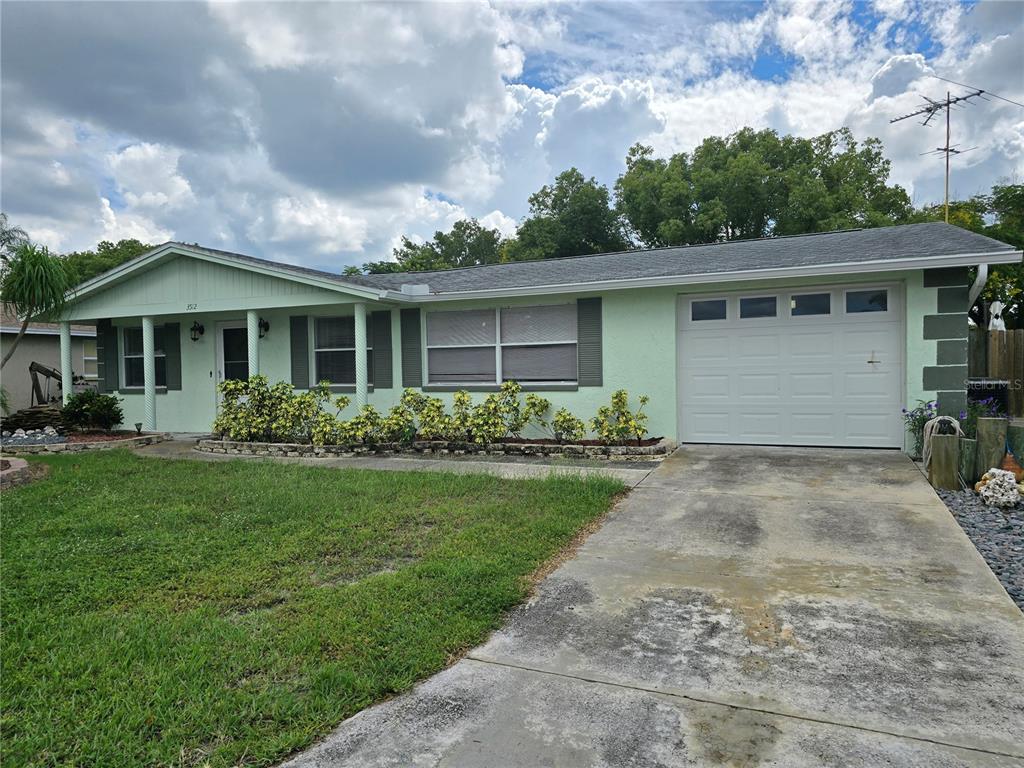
190,307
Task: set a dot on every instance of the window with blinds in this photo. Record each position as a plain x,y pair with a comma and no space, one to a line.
525,344
132,360
334,349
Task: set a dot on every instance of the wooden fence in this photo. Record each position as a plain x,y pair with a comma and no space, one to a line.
999,355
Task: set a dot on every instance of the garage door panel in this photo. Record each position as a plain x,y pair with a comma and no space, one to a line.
870,385
867,425
708,350
811,386
709,386
759,425
833,380
758,385
812,347
816,428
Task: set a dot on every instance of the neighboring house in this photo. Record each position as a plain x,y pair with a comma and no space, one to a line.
812,340
41,344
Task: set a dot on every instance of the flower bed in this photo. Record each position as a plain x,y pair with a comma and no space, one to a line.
654,451
83,443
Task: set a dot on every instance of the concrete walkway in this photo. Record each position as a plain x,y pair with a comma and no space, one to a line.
741,607
631,473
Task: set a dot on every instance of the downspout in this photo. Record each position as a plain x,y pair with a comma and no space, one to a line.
978,286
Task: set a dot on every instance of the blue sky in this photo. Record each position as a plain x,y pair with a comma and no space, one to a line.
323,133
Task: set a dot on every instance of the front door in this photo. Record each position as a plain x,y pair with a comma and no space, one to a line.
232,351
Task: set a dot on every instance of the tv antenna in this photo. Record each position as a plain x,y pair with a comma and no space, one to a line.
930,109
933,107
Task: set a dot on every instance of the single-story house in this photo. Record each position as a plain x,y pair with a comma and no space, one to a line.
41,344
811,340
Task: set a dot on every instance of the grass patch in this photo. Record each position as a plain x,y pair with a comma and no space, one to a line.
183,613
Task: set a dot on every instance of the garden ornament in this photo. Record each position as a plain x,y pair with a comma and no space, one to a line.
996,322
940,425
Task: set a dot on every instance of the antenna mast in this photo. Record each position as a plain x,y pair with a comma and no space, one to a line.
932,108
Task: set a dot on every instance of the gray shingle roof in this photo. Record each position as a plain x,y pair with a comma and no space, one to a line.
908,241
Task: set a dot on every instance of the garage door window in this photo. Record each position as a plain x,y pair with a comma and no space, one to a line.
758,306
804,304
711,309
867,301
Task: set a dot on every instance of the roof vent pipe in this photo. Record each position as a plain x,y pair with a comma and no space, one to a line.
978,286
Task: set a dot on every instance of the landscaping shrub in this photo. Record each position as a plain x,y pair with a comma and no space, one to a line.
91,410
982,409
254,411
566,427
616,423
916,418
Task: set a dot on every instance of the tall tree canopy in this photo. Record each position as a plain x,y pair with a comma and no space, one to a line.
85,265
757,184
468,244
571,217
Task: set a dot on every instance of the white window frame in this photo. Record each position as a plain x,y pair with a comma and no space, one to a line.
499,347
352,349
859,316
94,358
121,356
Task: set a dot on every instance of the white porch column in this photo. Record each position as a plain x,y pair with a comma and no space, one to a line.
148,375
252,323
65,362
362,382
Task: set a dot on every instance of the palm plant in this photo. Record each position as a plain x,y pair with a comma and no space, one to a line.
33,283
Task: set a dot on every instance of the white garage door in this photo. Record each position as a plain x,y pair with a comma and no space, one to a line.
795,367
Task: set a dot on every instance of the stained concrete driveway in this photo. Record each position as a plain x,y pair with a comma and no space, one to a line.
742,607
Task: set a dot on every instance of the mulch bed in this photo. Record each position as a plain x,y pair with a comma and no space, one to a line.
548,441
99,437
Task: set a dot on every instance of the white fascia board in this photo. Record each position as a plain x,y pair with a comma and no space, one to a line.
816,270
158,253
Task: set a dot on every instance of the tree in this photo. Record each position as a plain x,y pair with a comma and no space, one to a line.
571,217
757,184
34,283
85,265
467,244
10,238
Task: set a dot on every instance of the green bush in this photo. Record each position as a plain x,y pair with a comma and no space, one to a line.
91,410
252,410
616,423
567,428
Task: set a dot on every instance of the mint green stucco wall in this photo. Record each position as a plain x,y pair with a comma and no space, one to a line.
639,334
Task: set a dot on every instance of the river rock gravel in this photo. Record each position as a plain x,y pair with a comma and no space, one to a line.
998,535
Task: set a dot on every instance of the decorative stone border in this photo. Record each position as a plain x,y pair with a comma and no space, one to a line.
99,445
17,473
442,448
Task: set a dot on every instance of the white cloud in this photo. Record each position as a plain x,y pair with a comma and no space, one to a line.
147,175
322,133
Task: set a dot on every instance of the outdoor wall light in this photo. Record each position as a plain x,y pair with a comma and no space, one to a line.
197,330
264,327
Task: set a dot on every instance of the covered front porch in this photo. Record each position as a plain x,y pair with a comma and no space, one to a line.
178,321
166,368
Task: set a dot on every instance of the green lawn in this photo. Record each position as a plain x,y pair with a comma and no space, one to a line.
183,613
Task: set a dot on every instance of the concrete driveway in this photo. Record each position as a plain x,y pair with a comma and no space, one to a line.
741,607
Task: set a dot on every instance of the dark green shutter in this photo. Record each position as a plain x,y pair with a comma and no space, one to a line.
380,334
412,360
588,345
172,354
106,355
300,351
